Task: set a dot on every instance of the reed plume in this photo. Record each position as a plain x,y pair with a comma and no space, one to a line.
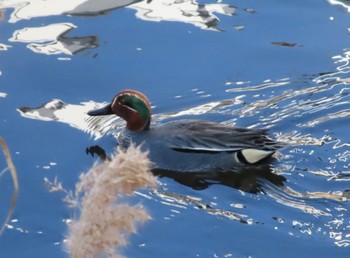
105,221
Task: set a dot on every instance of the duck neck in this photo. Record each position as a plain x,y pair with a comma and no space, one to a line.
135,121
138,124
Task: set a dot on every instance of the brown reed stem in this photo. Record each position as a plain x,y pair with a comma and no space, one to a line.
12,168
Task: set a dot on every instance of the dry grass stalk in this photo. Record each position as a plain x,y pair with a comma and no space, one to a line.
12,168
104,222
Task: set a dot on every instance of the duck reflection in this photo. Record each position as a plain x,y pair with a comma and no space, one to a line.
249,179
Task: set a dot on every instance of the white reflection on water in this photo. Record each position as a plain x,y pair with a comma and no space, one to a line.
343,3
262,86
4,47
28,9
184,201
41,34
187,11
51,40
75,116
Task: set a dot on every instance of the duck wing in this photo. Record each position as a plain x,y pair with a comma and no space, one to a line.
205,136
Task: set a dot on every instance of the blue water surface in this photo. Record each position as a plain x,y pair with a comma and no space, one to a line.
281,65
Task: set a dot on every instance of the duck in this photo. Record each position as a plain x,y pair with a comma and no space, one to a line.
187,145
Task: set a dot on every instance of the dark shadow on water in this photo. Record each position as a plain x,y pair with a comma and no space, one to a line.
247,179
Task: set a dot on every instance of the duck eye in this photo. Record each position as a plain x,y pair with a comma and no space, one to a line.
121,100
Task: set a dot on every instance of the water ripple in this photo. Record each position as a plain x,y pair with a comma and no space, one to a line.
311,113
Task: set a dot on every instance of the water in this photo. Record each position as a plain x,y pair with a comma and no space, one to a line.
281,65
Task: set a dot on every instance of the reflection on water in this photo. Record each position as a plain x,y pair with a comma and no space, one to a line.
51,39
177,201
188,11
74,115
246,179
301,103
285,44
4,47
343,3
28,9
265,85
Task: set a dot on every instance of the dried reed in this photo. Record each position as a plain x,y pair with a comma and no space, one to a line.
12,168
104,221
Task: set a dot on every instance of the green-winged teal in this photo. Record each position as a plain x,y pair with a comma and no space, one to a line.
187,145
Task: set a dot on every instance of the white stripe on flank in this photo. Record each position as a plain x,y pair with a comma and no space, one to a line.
253,155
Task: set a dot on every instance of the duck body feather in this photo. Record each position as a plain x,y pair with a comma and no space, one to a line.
198,145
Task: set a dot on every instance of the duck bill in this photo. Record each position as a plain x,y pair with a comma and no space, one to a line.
107,110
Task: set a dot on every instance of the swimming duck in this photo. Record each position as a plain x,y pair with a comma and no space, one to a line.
187,145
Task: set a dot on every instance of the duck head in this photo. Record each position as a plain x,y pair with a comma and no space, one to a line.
132,106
